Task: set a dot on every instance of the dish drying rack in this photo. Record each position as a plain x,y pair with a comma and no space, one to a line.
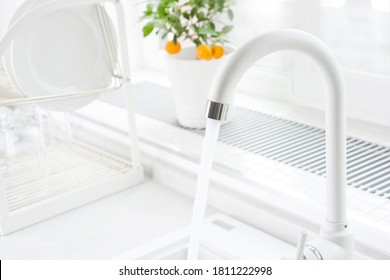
30,195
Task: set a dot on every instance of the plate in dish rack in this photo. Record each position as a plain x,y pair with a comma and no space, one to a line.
64,51
22,10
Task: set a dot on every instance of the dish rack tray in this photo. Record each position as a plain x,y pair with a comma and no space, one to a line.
92,174
29,194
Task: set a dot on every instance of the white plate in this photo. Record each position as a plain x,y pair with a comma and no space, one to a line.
62,52
22,10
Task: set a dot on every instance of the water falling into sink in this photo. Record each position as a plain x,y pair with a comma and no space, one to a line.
199,208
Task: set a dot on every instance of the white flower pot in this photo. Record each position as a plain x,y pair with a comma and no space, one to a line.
191,81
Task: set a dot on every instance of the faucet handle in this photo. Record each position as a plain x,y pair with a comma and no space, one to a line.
301,245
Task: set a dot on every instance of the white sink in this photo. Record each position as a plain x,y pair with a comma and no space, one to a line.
223,238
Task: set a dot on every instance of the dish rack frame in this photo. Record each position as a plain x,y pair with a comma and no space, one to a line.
15,216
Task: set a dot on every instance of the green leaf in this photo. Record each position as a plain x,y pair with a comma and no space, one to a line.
193,12
161,10
148,28
200,16
176,24
207,31
186,15
230,14
149,6
197,42
149,10
227,29
219,4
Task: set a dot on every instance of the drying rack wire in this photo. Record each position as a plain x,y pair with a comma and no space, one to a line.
87,165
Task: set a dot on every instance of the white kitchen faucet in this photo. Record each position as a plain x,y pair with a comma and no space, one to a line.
335,240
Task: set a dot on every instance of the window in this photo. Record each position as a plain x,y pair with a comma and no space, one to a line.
362,40
270,76
253,17
358,32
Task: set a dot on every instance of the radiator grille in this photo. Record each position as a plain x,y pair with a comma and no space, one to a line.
296,144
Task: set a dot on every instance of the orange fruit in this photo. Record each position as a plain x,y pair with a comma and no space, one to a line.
204,52
218,52
173,48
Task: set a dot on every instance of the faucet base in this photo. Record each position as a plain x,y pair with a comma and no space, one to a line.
341,236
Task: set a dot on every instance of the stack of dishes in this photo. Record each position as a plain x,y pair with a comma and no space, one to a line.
64,51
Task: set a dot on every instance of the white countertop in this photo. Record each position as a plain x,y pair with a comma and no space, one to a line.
103,229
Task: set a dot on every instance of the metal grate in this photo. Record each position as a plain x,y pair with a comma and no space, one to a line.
282,140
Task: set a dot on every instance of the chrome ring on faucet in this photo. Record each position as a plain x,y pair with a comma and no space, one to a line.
217,111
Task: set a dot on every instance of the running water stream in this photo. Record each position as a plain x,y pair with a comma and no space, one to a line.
199,208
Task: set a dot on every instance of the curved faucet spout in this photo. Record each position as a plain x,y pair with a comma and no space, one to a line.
299,41
302,42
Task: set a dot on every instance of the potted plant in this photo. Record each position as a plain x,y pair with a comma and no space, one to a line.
192,69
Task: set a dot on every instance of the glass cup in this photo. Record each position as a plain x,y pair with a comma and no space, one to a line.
23,165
